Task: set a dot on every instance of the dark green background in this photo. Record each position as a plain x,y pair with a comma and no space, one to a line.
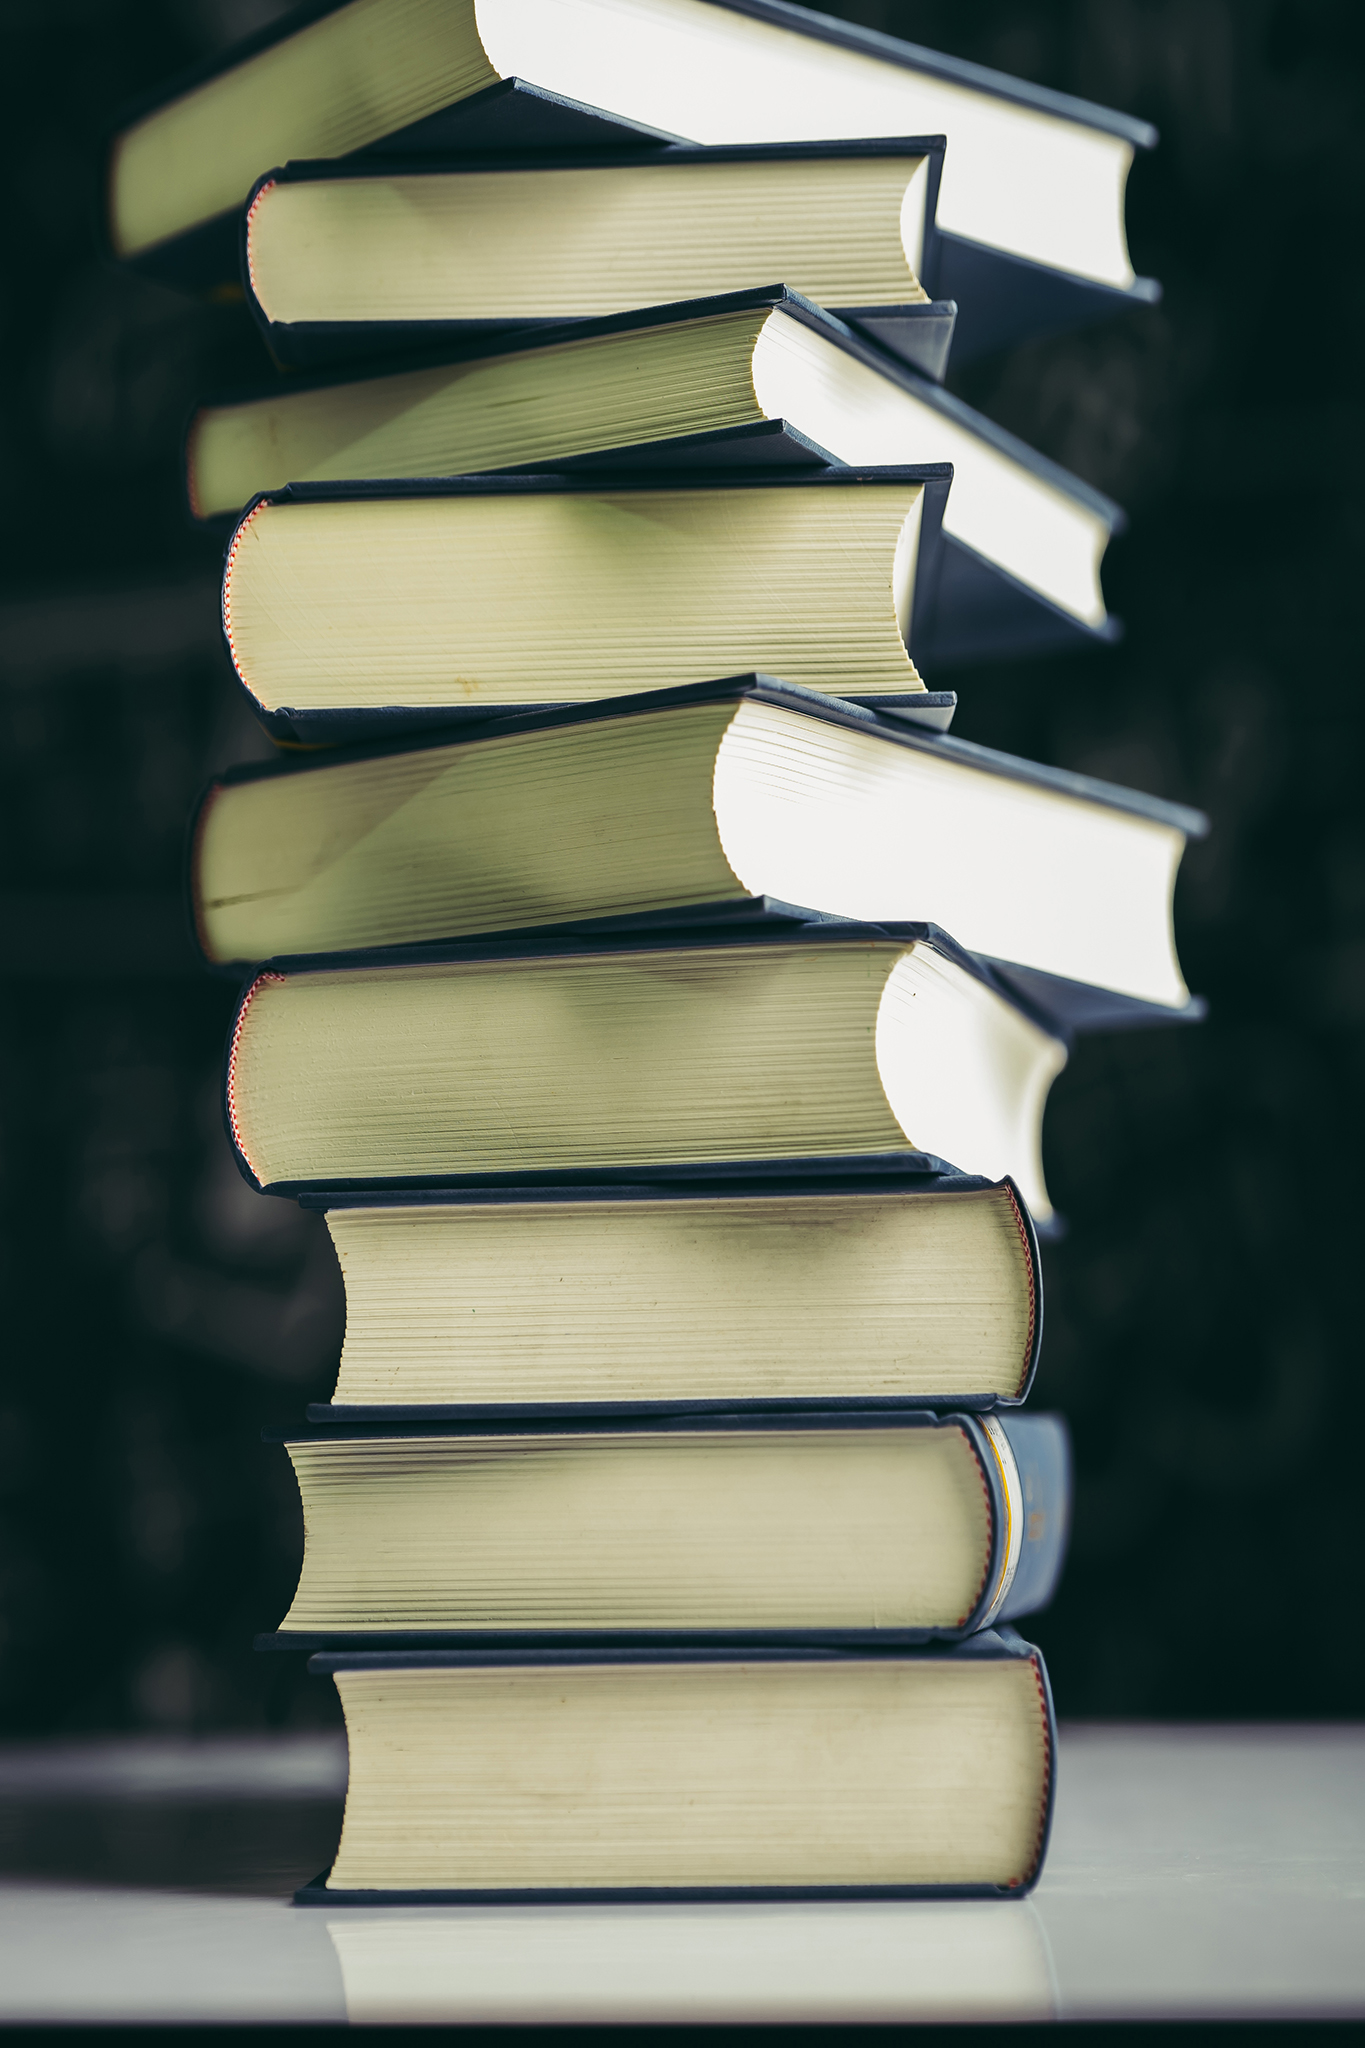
1203,1318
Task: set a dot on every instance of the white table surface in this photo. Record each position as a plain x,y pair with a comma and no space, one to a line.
1194,1873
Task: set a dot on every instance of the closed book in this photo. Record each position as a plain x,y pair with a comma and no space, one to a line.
611,1772
737,800
754,378
357,611
629,1060
883,1528
1030,212
345,261
683,1298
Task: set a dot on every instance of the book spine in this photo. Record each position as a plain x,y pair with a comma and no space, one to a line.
1028,1237
1042,1456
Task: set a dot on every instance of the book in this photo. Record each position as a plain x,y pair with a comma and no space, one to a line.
683,1298
885,1528
752,378
354,611
604,1772
668,385
630,1060
1031,206
739,796
672,386
340,261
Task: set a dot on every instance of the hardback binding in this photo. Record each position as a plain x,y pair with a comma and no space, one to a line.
901,726
1005,299
356,725
983,613
1054,1005
311,344
858,715
927,1179
450,347
1044,1474
997,298
563,943
988,1643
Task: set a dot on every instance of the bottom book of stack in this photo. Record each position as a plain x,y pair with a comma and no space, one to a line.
601,1772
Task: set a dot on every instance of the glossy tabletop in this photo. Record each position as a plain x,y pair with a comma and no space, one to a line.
1194,1872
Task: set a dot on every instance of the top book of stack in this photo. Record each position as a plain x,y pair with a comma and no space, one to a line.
1030,214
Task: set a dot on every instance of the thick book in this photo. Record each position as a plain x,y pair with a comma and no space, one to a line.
753,378
834,1526
612,1772
346,261
630,1060
726,378
683,1298
365,611
1031,211
730,800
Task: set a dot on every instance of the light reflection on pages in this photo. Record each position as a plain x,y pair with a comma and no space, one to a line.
865,1960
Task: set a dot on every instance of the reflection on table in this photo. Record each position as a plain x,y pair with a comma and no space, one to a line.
875,1960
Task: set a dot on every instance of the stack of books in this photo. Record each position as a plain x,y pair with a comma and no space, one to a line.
657,1001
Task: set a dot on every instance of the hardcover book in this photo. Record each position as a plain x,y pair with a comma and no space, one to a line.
1030,211
620,1773
736,799
878,1527
626,1061
346,261
683,1298
358,611
752,378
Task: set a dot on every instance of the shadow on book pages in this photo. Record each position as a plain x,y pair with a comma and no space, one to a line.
814,1962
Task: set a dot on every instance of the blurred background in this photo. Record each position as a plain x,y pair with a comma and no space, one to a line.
1203,1315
